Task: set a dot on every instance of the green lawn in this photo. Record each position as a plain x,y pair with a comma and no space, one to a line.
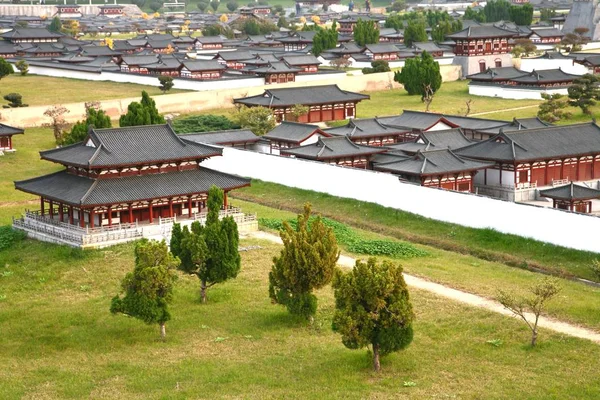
59,341
45,90
450,99
483,243
578,302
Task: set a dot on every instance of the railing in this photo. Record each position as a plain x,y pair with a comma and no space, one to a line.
526,185
560,182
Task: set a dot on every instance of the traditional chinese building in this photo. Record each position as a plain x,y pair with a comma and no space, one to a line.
111,10
127,176
208,43
240,138
325,103
336,150
6,134
374,132
381,51
68,11
307,64
572,197
202,69
30,35
292,134
434,168
479,47
525,160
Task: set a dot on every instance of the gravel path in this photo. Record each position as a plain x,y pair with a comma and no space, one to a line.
463,297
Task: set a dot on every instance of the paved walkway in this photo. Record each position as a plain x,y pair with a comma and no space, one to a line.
504,110
463,297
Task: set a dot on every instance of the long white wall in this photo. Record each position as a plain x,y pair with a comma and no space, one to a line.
505,92
548,225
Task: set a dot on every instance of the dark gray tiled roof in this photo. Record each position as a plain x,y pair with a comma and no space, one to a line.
128,146
381,48
29,33
538,144
293,132
334,147
571,192
73,189
302,95
6,130
434,140
300,60
366,127
423,120
431,163
203,65
549,75
548,32
495,74
481,31
222,137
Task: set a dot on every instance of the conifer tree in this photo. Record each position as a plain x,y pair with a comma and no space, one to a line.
307,262
55,25
148,290
95,118
142,113
5,68
366,32
372,307
418,74
149,104
414,32
209,252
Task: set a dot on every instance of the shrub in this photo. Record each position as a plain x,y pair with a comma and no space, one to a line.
346,236
10,236
14,100
204,123
202,6
155,6
232,5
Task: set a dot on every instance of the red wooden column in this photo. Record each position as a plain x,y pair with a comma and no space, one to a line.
51,209
150,209
91,218
170,207
130,213
71,215
60,212
190,206
578,167
42,211
109,212
562,169
225,200
81,213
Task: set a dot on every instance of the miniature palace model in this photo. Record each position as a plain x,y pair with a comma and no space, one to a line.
126,176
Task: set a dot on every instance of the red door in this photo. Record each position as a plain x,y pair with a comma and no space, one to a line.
327,114
314,116
338,114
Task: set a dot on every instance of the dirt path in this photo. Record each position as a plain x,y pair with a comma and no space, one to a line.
499,111
463,297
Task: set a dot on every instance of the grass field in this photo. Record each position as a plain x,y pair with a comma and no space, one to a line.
484,243
577,302
45,90
60,341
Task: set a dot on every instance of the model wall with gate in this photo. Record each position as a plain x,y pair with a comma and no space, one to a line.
544,224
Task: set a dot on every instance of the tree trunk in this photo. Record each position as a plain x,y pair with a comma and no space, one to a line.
534,336
203,291
163,331
376,363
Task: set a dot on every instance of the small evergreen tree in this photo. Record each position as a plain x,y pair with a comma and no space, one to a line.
214,4
307,262
166,83
95,118
202,6
23,67
142,113
366,32
522,14
372,307
232,5
209,252
584,92
553,108
259,120
394,21
414,32
56,25
324,39
148,290
418,74
5,68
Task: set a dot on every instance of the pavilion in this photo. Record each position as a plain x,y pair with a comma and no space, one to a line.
572,197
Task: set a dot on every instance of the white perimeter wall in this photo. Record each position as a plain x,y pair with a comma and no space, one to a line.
511,93
548,225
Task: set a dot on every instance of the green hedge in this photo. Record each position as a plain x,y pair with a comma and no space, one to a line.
9,236
348,237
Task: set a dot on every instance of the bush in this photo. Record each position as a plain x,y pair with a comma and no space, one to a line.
232,5
346,236
203,123
377,66
14,100
155,6
10,236
202,6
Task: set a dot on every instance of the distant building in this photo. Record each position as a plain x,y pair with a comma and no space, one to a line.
6,134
